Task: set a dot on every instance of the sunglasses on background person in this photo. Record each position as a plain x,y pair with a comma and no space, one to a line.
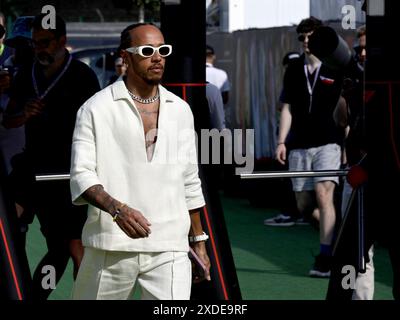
148,51
42,43
303,36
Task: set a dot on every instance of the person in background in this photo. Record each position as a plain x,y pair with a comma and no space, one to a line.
216,106
120,70
311,94
12,141
216,76
45,97
290,215
361,48
350,115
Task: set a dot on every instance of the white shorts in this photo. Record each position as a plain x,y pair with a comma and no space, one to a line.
113,275
326,157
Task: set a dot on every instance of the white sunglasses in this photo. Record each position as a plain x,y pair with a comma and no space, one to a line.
148,51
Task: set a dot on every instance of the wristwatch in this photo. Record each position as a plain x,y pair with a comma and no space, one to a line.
201,237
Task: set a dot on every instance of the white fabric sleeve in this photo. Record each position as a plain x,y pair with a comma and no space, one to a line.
193,191
83,157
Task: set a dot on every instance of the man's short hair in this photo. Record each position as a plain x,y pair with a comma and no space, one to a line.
309,25
59,31
209,50
125,41
361,31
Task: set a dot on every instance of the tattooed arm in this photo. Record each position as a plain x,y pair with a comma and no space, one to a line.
131,221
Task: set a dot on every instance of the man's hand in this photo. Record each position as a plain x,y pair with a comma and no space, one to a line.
133,223
32,108
280,153
198,274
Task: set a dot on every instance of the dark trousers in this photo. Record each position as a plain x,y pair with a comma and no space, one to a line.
60,222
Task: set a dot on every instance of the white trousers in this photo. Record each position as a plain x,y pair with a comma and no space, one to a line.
114,275
365,282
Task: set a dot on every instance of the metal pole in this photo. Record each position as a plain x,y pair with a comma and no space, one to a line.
361,236
293,174
52,177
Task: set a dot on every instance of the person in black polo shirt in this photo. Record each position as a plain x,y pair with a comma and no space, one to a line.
312,91
45,97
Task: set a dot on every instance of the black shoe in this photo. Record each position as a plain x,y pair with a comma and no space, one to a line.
280,220
322,267
302,222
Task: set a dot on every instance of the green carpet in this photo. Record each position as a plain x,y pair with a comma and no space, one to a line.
272,263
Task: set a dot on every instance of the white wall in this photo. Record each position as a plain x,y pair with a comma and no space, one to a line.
332,9
247,14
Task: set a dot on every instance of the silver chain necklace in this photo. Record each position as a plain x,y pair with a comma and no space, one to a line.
144,101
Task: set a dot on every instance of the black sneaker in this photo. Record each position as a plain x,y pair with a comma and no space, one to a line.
280,220
302,222
322,267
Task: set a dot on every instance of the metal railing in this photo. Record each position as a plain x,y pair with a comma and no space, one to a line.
52,177
293,174
255,175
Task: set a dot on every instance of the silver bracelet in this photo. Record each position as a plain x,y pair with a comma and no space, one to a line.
202,237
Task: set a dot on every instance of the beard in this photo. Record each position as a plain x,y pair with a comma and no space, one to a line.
146,75
45,59
152,81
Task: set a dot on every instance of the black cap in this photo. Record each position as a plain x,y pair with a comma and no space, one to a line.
60,27
21,33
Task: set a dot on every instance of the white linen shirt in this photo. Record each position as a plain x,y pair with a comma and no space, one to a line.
108,148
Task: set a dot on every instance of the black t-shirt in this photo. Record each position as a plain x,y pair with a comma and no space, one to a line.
49,134
312,125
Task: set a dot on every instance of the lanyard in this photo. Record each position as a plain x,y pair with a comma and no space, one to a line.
309,86
35,85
